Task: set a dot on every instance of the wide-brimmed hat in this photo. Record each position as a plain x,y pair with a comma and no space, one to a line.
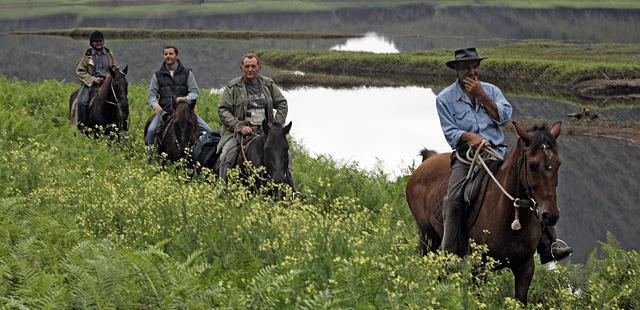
464,55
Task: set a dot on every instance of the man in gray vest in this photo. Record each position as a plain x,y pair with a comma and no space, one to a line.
172,81
92,68
245,102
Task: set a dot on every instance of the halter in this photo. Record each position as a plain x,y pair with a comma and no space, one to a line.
116,102
476,158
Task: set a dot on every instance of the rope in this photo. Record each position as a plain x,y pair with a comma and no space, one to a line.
472,161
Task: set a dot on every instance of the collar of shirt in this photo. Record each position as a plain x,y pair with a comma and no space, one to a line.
95,52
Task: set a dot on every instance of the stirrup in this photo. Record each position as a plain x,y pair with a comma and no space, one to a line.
558,241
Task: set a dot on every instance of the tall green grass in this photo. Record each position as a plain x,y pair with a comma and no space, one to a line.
89,224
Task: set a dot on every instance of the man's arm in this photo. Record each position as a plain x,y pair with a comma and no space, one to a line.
279,104
194,91
225,111
452,133
83,73
152,94
494,102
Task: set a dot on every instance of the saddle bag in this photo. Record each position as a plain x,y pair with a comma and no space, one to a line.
204,151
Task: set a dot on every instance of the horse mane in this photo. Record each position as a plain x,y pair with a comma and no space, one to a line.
276,134
104,89
181,113
541,135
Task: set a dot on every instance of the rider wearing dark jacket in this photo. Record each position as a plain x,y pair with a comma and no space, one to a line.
171,82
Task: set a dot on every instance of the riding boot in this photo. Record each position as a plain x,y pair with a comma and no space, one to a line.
550,248
291,181
82,114
453,239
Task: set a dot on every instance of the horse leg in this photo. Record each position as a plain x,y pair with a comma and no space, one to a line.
523,273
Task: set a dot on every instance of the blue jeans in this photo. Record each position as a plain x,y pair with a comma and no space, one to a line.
202,127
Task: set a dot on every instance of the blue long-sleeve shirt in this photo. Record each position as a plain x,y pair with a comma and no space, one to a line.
458,115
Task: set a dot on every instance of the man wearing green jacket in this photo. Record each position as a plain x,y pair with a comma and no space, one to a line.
245,102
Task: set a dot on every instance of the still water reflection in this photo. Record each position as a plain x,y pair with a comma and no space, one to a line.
371,42
367,125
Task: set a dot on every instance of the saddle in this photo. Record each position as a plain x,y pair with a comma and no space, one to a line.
473,191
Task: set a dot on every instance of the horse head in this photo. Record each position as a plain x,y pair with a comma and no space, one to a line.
538,170
276,150
118,94
185,123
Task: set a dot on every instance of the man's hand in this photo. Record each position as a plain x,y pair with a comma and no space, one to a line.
246,130
473,139
472,87
98,80
158,109
181,100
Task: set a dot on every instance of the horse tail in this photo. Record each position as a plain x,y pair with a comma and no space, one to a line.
426,153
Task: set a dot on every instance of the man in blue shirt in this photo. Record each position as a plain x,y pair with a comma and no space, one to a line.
471,111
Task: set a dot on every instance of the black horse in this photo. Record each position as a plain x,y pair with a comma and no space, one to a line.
109,107
269,149
178,132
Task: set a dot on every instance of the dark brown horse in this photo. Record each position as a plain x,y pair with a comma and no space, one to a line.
530,172
109,108
178,133
269,149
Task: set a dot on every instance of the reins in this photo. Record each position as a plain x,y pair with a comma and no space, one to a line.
476,159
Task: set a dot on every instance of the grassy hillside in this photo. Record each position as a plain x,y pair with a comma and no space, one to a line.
88,224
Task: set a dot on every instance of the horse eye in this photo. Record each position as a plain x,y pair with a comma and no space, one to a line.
533,166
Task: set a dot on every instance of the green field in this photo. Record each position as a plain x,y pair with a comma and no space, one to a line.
89,224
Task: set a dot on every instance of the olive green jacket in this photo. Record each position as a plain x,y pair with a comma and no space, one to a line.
85,69
233,106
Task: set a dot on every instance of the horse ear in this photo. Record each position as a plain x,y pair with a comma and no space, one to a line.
555,130
126,68
265,126
287,128
174,103
526,136
112,71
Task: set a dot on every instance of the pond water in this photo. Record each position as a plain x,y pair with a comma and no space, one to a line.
384,127
371,42
377,127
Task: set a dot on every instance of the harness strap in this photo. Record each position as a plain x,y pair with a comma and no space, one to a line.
485,147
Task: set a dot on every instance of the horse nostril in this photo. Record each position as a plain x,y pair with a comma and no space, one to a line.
549,219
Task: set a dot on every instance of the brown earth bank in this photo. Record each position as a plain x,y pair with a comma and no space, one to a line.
603,90
629,132
631,135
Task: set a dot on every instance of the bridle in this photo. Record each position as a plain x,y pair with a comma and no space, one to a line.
476,159
115,101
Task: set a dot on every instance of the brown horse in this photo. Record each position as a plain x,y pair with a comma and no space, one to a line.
178,133
529,172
